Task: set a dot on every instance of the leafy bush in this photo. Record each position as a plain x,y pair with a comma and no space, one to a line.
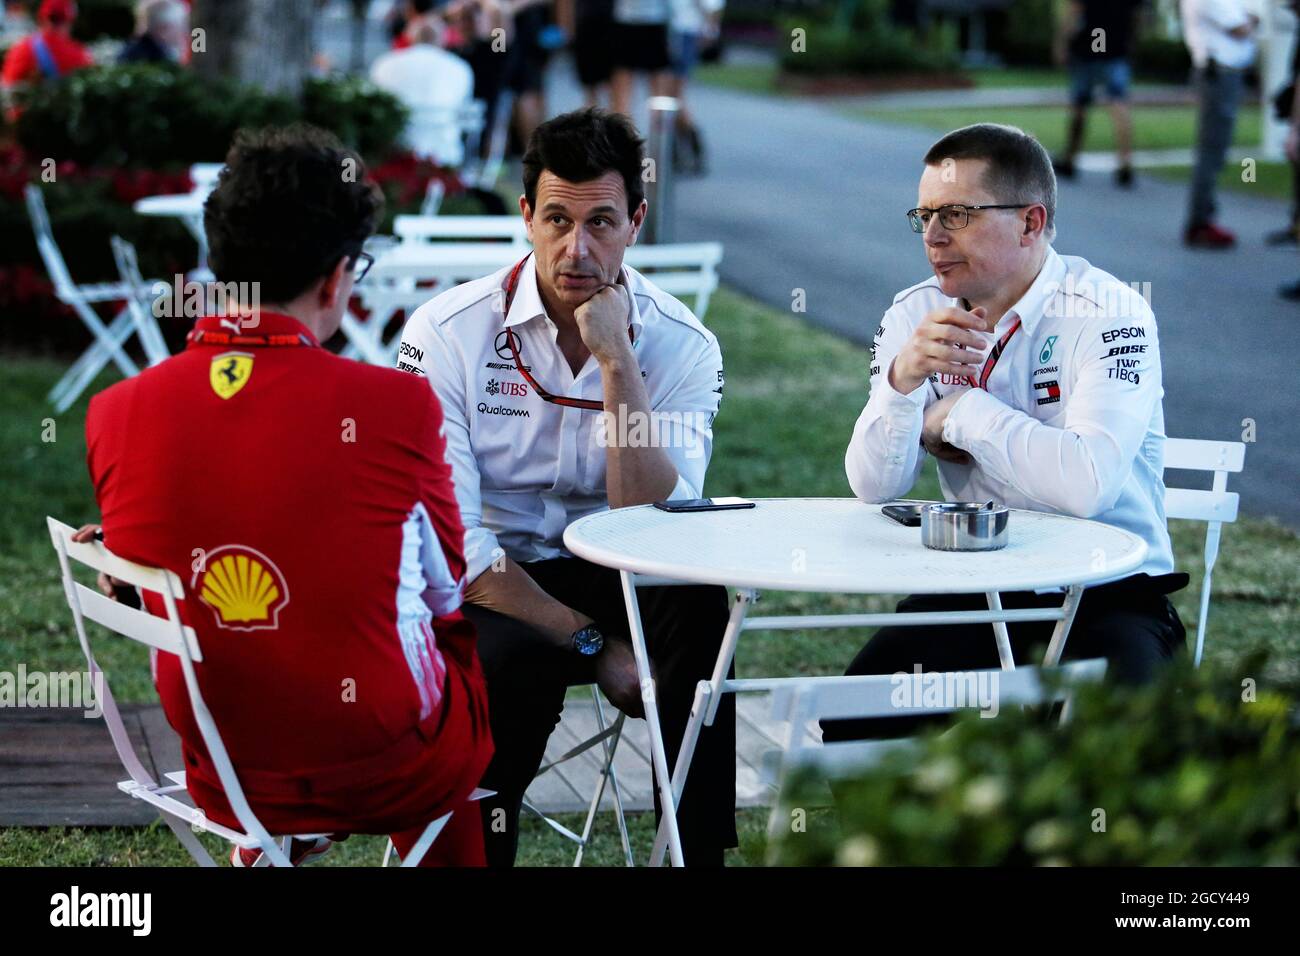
365,117
153,115
1158,58
1186,772
1022,33
868,42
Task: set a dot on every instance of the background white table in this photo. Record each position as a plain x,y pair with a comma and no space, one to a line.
188,208
838,545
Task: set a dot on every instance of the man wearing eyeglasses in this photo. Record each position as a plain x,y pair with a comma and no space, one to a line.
1034,379
558,375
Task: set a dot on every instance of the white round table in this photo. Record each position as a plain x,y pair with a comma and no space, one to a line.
833,545
188,208
846,545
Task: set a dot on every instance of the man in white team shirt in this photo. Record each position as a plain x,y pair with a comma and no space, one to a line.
569,384
1034,379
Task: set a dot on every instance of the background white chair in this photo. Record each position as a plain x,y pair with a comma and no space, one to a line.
138,303
109,339
802,703
170,635
431,126
687,270
431,229
1217,506
608,736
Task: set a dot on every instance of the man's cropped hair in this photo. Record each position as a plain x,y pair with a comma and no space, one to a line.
1019,169
584,145
290,202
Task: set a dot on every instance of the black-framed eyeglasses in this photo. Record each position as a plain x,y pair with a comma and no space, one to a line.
953,215
361,264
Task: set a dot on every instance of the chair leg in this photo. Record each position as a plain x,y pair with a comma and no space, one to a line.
185,835
611,745
604,776
78,377
426,840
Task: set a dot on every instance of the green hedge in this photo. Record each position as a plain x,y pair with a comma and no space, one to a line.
155,115
865,40
1188,771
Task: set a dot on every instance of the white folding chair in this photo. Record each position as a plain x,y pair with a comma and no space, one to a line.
1216,507
803,702
682,269
170,635
608,736
510,229
109,340
429,127
138,304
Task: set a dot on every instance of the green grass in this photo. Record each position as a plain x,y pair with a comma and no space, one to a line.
746,77
1018,77
1272,181
1154,127
765,446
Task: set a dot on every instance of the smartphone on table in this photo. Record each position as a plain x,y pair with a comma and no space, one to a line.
703,504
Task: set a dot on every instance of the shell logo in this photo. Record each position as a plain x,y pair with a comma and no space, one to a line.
243,587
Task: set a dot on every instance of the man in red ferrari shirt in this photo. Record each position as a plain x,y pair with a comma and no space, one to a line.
49,53
306,503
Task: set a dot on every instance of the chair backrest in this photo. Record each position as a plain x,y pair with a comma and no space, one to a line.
138,301
680,269
427,229
430,126
889,695
168,634
46,245
1216,506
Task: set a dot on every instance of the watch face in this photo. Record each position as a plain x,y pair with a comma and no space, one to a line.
588,641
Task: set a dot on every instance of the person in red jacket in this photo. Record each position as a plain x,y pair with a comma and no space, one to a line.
305,501
47,54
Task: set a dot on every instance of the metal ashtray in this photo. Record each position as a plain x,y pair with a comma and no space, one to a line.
964,526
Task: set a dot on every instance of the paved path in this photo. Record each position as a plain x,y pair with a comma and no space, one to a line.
59,769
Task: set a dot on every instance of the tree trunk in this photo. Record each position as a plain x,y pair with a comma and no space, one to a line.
268,43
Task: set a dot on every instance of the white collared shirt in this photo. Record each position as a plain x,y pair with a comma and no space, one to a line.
1205,30
1070,421
524,469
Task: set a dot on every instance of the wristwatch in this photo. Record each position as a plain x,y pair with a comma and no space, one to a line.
588,641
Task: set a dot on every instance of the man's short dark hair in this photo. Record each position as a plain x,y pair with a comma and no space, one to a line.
1019,169
290,202
582,146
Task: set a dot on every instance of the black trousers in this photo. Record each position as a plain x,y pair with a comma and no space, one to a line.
1130,622
527,676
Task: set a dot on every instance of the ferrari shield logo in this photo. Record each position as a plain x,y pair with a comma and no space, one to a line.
230,372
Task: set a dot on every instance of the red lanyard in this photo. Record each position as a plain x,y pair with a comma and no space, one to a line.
283,340
992,360
512,282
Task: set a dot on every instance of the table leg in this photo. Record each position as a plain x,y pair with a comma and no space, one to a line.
1072,595
708,694
1005,656
659,758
